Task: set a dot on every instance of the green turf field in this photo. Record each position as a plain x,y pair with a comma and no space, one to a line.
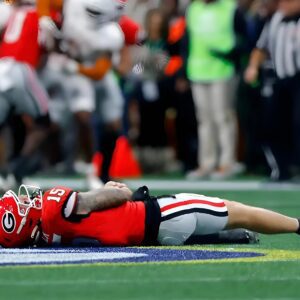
256,280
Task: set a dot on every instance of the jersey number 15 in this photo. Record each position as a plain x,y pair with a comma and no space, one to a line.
56,194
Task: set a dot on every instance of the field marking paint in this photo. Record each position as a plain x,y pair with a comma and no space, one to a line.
139,256
20,257
136,281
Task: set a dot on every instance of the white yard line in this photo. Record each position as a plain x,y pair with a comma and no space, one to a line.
81,281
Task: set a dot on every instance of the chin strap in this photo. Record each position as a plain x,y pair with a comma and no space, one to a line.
35,234
22,224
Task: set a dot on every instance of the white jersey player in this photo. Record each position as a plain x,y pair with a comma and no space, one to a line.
90,40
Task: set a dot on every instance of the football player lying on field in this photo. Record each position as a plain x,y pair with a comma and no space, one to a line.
115,216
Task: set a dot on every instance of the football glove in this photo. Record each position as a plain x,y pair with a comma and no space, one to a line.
48,32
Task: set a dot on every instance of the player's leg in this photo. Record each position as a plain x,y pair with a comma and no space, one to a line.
81,99
31,99
111,107
56,83
259,219
4,109
7,82
225,121
176,226
207,150
186,215
82,104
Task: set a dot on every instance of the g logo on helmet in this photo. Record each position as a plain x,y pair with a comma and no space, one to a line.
8,222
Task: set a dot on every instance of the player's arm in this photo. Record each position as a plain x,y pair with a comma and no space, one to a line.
258,56
112,195
95,72
48,30
98,70
5,12
44,7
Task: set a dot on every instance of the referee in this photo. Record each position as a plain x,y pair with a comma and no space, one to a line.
280,42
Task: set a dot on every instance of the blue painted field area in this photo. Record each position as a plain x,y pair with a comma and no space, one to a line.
113,255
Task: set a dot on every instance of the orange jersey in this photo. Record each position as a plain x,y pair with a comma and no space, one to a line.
120,226
45,7
20,39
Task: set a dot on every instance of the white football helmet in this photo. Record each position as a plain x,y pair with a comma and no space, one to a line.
101,11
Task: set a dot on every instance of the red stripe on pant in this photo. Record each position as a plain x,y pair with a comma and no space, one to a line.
187,202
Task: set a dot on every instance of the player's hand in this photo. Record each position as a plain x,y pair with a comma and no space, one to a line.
182,85
251,74
119,185
48,32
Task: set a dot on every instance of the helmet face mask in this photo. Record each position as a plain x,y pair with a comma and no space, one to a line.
29,196
104,11
20,216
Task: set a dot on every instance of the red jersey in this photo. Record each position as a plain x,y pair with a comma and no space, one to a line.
120,226
20,39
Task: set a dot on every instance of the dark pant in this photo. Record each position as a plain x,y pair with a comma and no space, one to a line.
282,120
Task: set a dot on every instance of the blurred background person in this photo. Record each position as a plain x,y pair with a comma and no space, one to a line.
90,38
255,100
212,40
280,41
138,9
251,97
149,62
175,87
21,91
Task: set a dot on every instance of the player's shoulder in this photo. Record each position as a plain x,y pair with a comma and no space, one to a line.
59,201
6,11
113,33
57,195
5,7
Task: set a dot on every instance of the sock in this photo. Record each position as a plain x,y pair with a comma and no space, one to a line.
298,231
108,144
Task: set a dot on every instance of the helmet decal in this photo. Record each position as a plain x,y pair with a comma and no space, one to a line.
8,222
20,216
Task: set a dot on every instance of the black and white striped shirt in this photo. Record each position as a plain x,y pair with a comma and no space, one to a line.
281,39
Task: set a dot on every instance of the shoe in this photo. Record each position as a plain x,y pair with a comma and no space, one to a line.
94,182
8,182
233,236
228,172
239,236
92,179
198,174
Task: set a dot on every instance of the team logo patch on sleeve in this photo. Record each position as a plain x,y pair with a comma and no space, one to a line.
101,256
8,222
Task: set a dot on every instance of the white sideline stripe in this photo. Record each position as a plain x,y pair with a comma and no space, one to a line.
48,258
252,185
142,281
176,185
45,183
